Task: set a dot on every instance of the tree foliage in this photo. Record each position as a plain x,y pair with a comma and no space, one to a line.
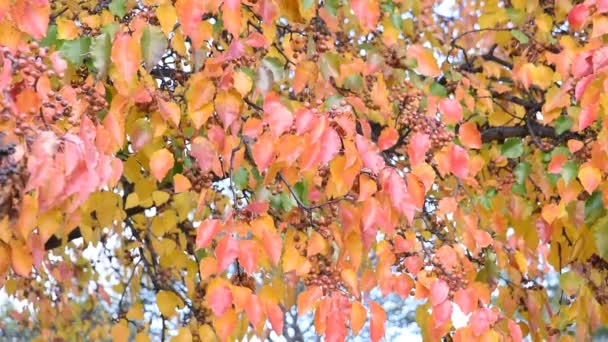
237,158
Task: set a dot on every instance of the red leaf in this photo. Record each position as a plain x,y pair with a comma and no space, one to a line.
276,115
378,318
227,251
442,313
439,292
248,255
206,231
451,110
219,299
417,148
578,16
556,163
459,161
388,138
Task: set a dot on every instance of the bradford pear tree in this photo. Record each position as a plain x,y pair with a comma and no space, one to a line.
236,160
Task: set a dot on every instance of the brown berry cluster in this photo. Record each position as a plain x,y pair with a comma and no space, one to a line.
321,36
323,274
244,280
434,128
28,63
94,96
298,45
198,179
201,313
13,177
406,95
454,275
392,57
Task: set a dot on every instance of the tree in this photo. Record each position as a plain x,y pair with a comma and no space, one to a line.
238,161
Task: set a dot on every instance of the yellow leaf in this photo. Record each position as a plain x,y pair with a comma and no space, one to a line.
205,333
242,83
160,197
132,201
200,116
167,17
27,216
590,177
5,233
521,262
120,331
178,42
167,302
183,335
142,337
66,29
5,260
136,313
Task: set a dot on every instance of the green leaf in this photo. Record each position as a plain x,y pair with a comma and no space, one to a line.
110,29
353,82
241,178
520,36
569,171
594,208
301,190
51,36
306,4
600,235
100,51
118,8
522,170
330,65
519,189
570,282
332,7
153,46
512,148
438,90
563,124
75,50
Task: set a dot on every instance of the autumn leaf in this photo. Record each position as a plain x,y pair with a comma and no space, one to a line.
126,55
426,63
161,162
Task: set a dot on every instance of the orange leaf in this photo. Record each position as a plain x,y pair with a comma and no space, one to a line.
231,16
308,299
367,11
126,55
161,162
378,318
276,115
225,325
218,296
575,145
469,135
263,152
388,138
358,315
32,17
22,259
427,65
181,183
590,177
27,216
350,278
208,267
170,111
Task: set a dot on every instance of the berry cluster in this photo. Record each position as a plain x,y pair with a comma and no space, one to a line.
13,177
7,166
434,128
198,179
244,280
323,274
94,96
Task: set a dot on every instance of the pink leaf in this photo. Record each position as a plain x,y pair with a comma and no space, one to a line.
442,313
439,292
276,115
515,331
465,300
275,316
367,11
219,299
582,64
369,154
204,153
248,255
459,161
578,16
330,140
481,320
451,110
417,148
227,251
